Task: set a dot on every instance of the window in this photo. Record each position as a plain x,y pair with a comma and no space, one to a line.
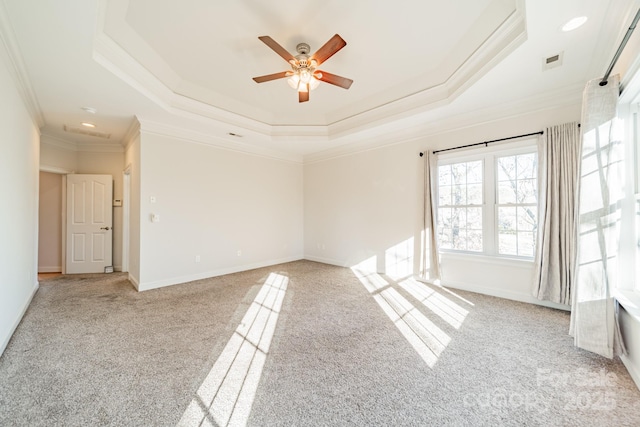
488,201
517,204
460,206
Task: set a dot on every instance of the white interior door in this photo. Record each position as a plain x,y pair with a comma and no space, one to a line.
89,223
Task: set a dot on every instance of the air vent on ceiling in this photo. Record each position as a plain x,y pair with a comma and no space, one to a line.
552,61
88,132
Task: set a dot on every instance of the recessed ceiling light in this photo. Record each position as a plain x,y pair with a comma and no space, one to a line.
574,23
87,124
90,110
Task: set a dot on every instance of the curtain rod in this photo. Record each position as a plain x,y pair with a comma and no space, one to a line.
485,143
605,79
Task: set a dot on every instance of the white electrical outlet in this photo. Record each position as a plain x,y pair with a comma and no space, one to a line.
239,252
197,258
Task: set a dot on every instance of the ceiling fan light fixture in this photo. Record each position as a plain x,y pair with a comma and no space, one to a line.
305,76
293,81
301,78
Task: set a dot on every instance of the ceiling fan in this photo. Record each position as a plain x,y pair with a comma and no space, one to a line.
304,75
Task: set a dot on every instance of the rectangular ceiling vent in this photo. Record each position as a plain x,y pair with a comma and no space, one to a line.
552,61
88,132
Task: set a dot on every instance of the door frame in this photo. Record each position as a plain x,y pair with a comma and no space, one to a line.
126,198
63,214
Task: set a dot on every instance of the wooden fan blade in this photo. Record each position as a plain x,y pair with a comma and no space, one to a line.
304,96
333,79
277,48
329,49
269,77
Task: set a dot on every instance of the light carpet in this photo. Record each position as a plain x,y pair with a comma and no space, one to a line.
336,347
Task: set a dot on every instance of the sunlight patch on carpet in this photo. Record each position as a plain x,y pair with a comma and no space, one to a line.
440,305
226,395
423,335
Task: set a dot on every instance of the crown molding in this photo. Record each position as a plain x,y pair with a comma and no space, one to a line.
59,143
431,123
509,34
161,129
55,169
17,68
131,134
63,144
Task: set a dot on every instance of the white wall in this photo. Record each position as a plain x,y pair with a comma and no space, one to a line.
55,156
213,203
73,159
50,223
369,204
19,144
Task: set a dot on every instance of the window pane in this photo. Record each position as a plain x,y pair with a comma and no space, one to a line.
474,172
459,173
474,240
507,244
526,243
459,217
460,226
527,191
507,168
444,175
506,193
474,194
444,237
444,195
506,219
527,218
444,217
474,218
527,166
459,195
460,239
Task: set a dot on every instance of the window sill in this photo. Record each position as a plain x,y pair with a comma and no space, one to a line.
630,300
488,259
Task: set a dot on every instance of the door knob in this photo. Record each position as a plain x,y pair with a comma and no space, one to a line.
105,228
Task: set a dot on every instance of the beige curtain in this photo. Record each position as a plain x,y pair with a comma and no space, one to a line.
559,166
593,319
430,260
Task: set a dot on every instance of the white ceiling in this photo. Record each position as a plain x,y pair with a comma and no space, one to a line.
188,65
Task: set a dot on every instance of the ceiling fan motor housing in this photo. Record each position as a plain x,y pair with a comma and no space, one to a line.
303,48
302,59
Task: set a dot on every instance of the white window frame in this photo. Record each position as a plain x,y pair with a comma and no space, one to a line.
488,155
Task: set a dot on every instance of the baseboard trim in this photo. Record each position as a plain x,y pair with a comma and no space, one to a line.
324,260
57,269
145,286
134,282
632,369
501,293
23,310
